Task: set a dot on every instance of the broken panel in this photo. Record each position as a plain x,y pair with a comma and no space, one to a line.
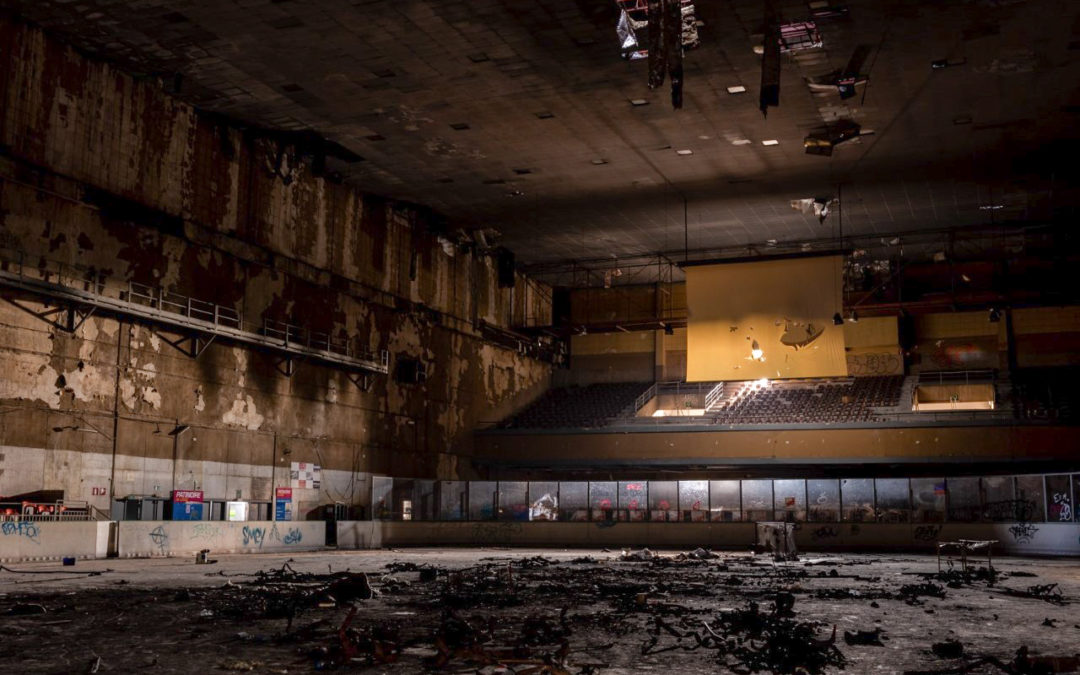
857,500
423,500
928,500
823,496
724,501
543,501
663,500
633,27
573,501
789,500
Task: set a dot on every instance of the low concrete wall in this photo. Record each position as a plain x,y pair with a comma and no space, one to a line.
30,540
144,538
1059,539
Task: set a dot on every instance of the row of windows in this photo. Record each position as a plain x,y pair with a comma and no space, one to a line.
1028,498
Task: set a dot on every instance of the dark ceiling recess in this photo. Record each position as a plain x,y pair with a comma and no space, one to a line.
549,91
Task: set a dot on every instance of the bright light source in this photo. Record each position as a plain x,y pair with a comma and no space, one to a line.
741,141
737,89
763,382
770,141
638,101
991,207
684,153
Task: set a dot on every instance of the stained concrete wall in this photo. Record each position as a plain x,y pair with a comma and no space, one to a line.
145,538
33,540
1057,539
108,174
802,446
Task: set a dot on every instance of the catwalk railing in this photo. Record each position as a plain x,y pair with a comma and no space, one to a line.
84,290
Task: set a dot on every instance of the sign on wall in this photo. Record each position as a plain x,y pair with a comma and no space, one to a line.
187,505
283,503
305,476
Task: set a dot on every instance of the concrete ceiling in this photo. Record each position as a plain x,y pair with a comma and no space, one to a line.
516,114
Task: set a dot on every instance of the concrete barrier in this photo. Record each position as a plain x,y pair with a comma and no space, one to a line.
25,540
1040,539
142,538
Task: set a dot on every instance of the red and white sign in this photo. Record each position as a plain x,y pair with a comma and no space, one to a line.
187,496
283,493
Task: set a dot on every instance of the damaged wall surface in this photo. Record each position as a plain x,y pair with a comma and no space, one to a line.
109,177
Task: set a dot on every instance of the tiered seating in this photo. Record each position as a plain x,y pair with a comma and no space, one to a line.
595,405
841,401
1046,394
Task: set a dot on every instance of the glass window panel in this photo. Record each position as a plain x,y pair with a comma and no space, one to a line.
573,501
1059,506
694,500
789,499
482,499
857,497
928,497
893,500
964,499
633,501
724,501
452,500
423,506
513,500
543,501
757,501
1076,495
663,500
402,501
381,490
999,504
1029,492
824,497
603,500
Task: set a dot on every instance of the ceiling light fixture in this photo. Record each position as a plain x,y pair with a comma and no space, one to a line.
991,207
770,141
638,101
685,152
599,161
995,315
741,141
737,89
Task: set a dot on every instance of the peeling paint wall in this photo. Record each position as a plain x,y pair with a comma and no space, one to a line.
106,173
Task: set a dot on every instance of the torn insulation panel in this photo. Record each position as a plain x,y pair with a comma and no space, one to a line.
633,26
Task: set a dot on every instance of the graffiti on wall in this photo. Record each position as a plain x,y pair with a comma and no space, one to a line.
22,529
874,364
926,532
160,539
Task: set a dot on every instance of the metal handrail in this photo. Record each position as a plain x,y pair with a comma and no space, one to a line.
713,395
644,398
90,280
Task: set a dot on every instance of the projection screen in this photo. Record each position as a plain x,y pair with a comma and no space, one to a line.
764,319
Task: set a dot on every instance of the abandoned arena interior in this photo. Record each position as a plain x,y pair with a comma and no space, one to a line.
539,336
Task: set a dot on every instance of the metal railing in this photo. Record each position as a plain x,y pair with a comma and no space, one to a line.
58,511
713,396
87,280
645,397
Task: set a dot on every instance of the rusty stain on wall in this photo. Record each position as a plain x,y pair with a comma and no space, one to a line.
111,174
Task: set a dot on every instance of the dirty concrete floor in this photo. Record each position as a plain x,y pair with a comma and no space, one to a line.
173,616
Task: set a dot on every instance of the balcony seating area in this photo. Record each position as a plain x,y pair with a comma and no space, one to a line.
841,401
592,406
1049,394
